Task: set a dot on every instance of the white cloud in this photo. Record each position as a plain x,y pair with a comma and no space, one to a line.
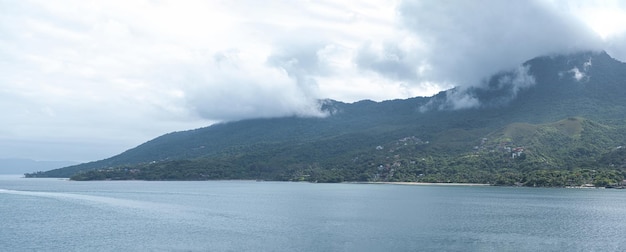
97,77
467,41
493,92
577,74
606,18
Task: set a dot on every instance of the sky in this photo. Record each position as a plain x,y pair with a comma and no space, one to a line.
85,80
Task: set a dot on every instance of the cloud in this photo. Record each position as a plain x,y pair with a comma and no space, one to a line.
220,91
301,62
615,46
496,91
389,60
463,42
113,74
578,72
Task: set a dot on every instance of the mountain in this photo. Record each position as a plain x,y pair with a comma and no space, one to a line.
555,120
21,166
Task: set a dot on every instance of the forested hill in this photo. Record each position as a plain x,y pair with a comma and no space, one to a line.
556,120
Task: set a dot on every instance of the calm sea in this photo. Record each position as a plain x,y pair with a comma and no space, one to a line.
61,215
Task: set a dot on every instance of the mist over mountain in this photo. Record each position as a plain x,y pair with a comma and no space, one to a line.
553,116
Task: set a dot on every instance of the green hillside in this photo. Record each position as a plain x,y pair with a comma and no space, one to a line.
543,125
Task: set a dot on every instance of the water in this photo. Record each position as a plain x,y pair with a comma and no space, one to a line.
61,215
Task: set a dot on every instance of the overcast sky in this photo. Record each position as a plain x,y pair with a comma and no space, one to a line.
85,80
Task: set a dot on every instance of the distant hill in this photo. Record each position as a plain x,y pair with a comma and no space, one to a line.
556,120
21,166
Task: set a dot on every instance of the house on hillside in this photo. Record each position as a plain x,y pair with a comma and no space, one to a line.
517,152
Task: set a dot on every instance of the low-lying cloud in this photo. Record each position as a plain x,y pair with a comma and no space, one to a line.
232,85
134,69
463,42
578,73
496,91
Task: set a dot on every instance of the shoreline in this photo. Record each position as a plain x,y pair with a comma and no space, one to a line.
425,184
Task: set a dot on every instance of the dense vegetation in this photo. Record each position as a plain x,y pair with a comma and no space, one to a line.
565,130
556,154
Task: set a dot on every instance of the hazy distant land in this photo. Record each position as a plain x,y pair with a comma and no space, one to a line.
21,166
